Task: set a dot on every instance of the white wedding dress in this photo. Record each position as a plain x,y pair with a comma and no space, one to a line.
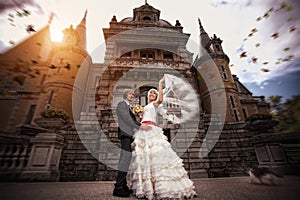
157,172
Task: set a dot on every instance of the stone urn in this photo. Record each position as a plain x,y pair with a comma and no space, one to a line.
50,123
261,125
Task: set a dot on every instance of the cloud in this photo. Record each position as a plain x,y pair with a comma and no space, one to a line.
276,55
285,86
220,3
20,4
3,47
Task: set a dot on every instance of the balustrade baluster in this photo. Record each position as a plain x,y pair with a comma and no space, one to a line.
15,157
23,157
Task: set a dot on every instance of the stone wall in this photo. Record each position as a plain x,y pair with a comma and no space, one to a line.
232,154
92,154
77,162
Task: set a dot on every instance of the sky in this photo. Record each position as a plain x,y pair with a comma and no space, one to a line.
260,37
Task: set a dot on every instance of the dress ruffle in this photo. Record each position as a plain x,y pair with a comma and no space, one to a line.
157,171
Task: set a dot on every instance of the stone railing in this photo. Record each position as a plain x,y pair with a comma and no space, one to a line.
280,151
14,155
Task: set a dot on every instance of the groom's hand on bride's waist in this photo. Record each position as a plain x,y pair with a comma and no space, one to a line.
145,127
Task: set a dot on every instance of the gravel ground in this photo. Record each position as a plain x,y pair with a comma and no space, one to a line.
236,188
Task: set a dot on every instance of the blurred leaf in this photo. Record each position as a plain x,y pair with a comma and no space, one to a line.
254,60
29,28
289,9
265,70
259,19
254,30
52,66
292,29
19,14
68,66
243,54
20,79
26,12
275,35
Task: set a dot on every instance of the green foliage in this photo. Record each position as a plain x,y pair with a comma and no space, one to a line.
259,116
274,100
55,113
288,115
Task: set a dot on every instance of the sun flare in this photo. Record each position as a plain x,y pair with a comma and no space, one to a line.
56,36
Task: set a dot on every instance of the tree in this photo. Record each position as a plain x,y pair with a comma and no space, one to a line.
288,115
274,100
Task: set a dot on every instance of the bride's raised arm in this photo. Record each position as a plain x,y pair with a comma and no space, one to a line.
160,97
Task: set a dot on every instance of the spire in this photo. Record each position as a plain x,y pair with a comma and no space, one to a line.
81,30
200,26
203,37
83,21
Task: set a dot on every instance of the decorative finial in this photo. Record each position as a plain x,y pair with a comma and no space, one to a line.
200,25
146,2
85,13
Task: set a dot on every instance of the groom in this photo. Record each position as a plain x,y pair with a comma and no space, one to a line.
127,125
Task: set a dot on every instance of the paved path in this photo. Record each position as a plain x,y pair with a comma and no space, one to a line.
219,188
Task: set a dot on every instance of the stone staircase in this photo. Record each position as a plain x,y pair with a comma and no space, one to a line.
79,157
91,150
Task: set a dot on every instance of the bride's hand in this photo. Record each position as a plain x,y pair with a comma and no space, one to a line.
162,80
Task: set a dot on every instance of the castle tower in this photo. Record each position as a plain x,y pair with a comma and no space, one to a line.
211,48
81,30
139,50
65,60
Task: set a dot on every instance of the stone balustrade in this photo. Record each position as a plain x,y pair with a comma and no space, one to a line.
14,155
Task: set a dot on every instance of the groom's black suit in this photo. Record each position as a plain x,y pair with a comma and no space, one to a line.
127,123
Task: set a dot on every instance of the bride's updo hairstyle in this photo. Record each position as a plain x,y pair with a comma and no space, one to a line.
152,89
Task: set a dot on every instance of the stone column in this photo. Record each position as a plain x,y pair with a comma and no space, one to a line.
44,159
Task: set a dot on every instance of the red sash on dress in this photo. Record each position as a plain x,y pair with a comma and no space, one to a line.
149,122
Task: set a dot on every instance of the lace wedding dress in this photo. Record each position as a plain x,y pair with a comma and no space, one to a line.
157,172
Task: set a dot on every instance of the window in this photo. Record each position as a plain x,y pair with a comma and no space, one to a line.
223,72
168,56
126,55
218,47
50,97
30,114
97,80
245,113
146,19
232,101
43,79
236,115
92,109
148,55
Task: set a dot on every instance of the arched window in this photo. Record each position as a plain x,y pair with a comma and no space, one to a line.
146,19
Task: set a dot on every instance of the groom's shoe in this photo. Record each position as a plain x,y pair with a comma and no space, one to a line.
120,192
127,189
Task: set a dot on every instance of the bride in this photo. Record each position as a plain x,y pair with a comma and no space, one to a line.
157,171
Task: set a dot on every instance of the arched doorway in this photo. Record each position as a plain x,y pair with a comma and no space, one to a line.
141,95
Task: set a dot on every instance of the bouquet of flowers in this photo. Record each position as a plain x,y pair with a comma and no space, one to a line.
137,109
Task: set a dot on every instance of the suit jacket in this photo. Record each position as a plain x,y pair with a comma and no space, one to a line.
126,120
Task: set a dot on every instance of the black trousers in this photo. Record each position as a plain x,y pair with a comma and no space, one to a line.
124,161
